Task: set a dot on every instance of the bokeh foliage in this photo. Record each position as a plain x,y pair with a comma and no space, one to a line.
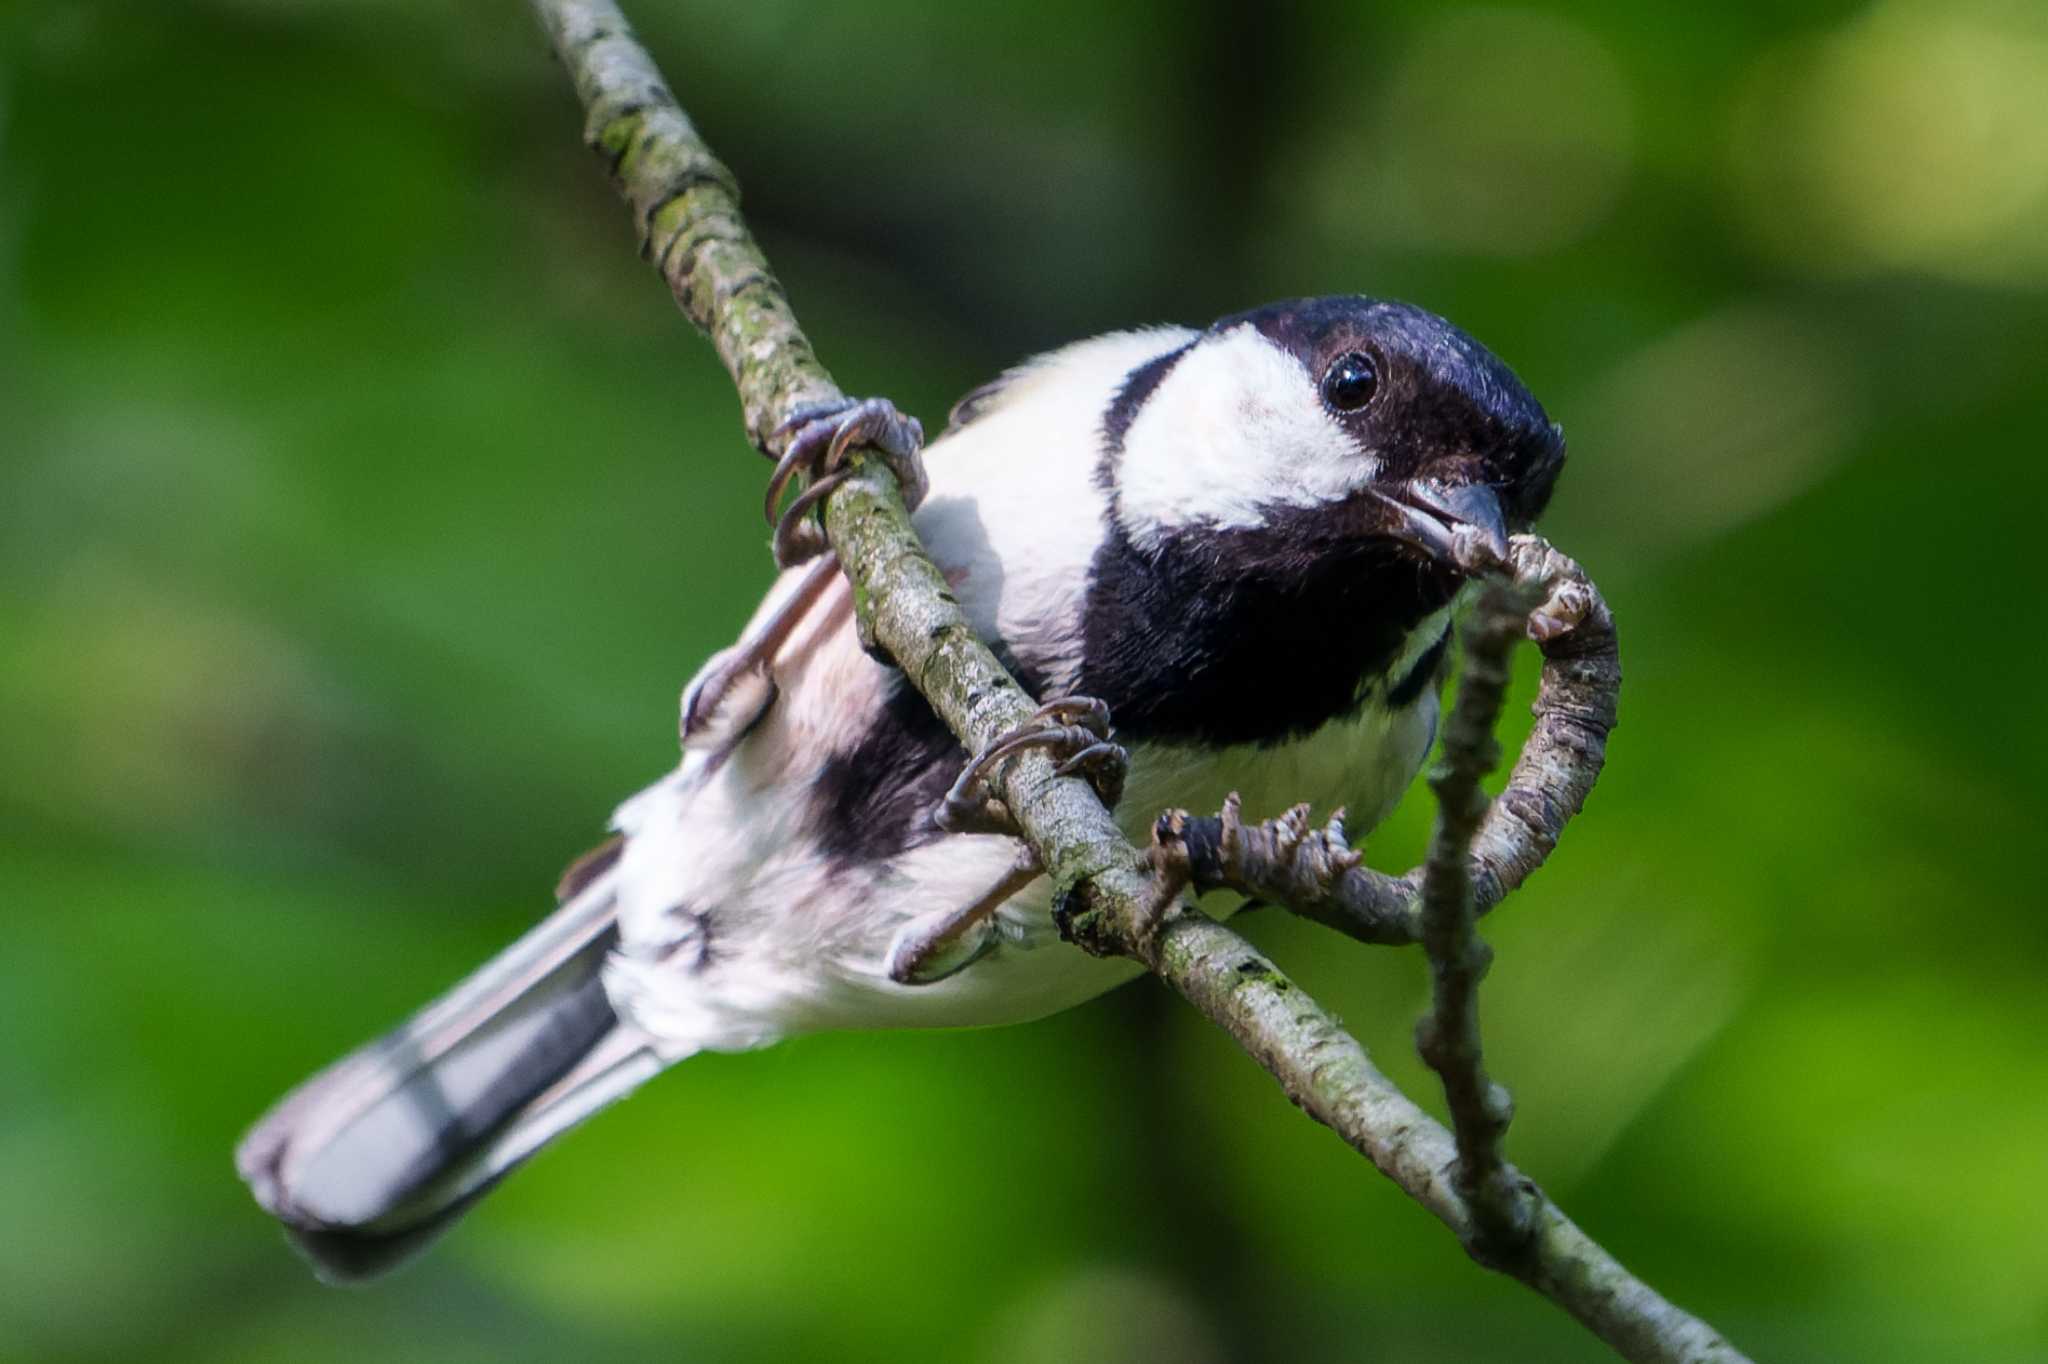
366,504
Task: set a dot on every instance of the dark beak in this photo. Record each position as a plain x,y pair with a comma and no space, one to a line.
1458,523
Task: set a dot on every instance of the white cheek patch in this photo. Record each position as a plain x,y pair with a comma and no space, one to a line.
1237,426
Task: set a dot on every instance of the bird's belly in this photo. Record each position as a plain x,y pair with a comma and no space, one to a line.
1363,762
796,946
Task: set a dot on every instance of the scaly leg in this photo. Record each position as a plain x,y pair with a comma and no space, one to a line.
932,947
735,690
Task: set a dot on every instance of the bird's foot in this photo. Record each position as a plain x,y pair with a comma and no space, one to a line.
816,439
1570,601
1075,728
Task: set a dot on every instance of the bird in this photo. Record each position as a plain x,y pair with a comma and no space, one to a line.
1231,554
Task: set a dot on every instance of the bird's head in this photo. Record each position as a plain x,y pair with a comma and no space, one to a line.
1345,417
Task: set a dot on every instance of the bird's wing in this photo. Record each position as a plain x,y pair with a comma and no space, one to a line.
980,400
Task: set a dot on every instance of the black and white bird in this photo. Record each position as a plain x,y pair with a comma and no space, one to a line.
1244,543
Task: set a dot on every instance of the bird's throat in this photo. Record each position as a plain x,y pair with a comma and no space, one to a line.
1255,636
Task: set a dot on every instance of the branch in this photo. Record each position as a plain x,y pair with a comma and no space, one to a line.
1112,899
1328,1075
686,207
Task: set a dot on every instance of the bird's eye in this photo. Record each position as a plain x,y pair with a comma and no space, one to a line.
1351,383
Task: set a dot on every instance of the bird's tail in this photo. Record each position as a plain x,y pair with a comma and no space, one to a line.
371,1158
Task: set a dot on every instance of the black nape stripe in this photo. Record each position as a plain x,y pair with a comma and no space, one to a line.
1130,398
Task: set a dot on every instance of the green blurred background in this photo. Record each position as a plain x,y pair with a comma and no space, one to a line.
366,504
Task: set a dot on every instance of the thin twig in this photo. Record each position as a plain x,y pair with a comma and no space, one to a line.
1448,1035
1113,899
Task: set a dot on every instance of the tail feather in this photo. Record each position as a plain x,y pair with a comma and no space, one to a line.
367,1160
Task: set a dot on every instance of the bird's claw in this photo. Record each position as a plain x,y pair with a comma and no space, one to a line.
1075,728
816,439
